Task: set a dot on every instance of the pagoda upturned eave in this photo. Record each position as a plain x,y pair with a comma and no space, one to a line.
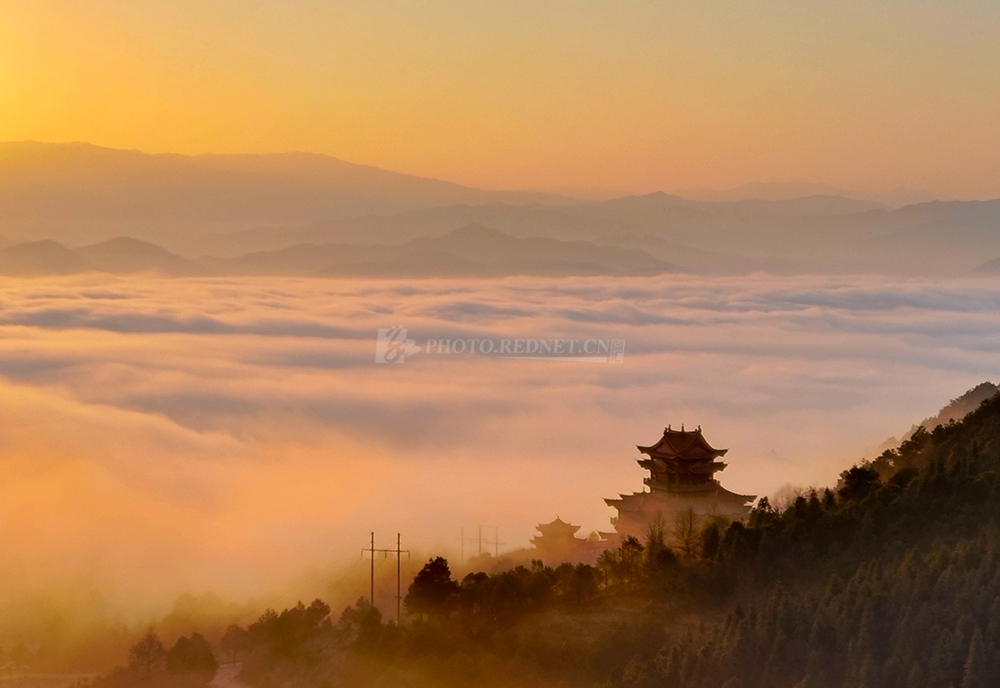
682,445
635,501
692,466
557,527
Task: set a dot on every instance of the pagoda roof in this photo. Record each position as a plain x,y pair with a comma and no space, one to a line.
637,501
557,527
681,444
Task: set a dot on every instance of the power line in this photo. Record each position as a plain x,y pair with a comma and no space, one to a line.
480,542
496,543
464,539
399,586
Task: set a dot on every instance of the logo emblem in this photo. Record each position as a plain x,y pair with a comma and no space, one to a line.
392,346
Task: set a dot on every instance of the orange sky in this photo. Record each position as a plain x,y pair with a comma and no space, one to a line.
635,95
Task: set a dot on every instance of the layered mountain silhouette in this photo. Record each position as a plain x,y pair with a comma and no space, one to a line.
785,190
960,407
953,412
656,213
76,191
121,255
472,251
233,205
816,233
46,257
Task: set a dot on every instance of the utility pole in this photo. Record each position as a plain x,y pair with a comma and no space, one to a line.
464,539
371,599
399,571
399,587
496,543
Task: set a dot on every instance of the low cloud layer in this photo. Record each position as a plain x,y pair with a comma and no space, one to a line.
162,435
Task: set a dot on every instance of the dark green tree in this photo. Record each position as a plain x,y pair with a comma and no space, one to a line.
192,656
363,623
147,656
857,482
977,665
433,592
235,642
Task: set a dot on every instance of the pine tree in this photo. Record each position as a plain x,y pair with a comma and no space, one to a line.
977,665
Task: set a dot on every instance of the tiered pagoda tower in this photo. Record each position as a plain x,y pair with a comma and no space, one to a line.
681,466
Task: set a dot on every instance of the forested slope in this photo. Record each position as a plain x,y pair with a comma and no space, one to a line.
889,579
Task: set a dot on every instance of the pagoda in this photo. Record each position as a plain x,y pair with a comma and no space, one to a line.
682,467
558,543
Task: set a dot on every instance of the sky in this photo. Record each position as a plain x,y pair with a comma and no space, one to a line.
635,95
228,434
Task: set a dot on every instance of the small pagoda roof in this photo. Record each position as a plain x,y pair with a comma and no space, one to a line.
557,527
681,444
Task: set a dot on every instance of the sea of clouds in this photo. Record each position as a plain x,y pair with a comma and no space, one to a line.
226,433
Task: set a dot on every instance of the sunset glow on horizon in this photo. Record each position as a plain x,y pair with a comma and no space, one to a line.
635,96
491,343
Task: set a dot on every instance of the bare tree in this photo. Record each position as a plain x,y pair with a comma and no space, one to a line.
686,533
631,560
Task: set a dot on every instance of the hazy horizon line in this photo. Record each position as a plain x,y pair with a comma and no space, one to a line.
581,192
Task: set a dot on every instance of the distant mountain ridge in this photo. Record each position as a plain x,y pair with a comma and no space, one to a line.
121,255
775,191
960,407
816,233
990,266
71,190
656,214
232,205
954,411
472,251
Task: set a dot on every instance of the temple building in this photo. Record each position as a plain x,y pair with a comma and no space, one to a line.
558,543
682,467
